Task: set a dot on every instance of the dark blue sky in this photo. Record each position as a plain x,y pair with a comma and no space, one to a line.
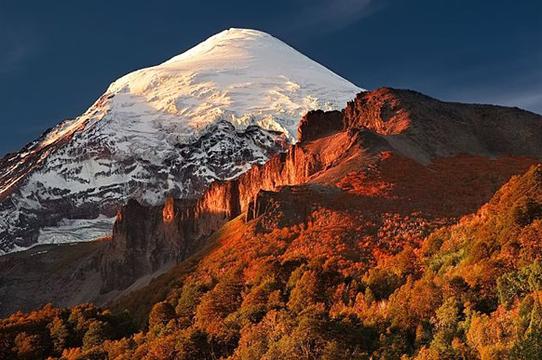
57,57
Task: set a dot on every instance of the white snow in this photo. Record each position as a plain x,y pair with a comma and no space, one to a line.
70,230
239,75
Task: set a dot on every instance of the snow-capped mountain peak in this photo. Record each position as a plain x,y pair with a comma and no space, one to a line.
243,76
157,131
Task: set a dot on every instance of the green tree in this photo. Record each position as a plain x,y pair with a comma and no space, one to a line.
192,345
60,334
526,212
80,317
97,333
528,347
190,296
218,303
446,323
382,283
161,313
308,339
305,292
29,346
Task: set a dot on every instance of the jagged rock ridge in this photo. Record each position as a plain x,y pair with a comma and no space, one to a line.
422,128
331,144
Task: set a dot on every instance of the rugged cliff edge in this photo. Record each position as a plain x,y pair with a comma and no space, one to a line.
330,145
422,128
145,239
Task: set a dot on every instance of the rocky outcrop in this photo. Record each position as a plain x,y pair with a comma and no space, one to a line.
147,239
287,206
317,124
260,204
408,123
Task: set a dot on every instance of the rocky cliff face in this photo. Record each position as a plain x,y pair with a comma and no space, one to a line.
145,239
317,124
332,145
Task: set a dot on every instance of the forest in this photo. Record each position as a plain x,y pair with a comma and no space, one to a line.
470,290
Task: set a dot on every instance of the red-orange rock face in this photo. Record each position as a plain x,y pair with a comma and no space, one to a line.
388,155
168,211
317,124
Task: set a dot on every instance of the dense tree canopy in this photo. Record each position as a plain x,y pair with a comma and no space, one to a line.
472,290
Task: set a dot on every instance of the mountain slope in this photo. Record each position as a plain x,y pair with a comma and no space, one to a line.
423,128
355,282
346,246
359,175
350,169
164,130
342,266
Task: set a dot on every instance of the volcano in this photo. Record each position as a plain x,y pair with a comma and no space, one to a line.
172,129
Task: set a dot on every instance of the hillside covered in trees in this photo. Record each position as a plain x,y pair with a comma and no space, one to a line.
472,290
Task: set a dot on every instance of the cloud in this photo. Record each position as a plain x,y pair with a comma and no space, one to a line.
530,99
16,45
331,15
11,56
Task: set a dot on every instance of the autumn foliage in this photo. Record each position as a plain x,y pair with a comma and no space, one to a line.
370,268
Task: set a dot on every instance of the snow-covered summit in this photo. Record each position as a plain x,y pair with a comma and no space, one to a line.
239,75
161,130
